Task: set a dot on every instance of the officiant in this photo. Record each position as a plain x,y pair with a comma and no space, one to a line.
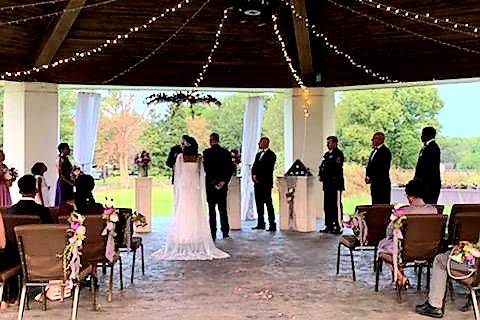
218,171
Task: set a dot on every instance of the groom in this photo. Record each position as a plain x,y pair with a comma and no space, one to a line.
218,171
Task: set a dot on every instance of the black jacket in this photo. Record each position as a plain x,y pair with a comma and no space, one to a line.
218,165
172,155
331,170
428,166
263,168
378,167
30,207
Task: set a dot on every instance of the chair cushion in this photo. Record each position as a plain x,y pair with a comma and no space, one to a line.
9,272
349,241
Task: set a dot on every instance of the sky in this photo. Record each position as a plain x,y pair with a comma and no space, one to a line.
460,115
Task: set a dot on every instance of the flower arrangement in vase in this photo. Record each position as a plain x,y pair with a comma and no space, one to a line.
142,160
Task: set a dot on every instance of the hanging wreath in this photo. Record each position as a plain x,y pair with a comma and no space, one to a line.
180,98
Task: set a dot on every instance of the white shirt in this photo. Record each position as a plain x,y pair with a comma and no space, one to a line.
375,149
262,152
429,141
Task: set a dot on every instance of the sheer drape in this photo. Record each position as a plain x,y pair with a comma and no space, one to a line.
252,128
87,114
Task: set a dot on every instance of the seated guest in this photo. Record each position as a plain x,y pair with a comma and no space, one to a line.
66,207
414,191
2,233
27,186
438,285
84,200
8,258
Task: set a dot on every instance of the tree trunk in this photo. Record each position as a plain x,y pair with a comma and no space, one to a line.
124,170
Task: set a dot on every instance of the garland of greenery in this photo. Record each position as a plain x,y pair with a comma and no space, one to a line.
180,97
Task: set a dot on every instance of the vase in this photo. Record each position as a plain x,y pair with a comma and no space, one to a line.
143,171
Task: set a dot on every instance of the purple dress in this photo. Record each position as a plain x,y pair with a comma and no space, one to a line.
5,199
64,190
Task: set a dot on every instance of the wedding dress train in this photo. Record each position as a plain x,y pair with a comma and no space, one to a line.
189,236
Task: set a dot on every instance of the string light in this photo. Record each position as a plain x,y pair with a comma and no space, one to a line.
56,13
334,47
445,24
201,74
29,5
419,35
288,60
160,46
112,42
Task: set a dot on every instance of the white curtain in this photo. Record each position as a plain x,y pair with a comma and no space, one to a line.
252,128
87,114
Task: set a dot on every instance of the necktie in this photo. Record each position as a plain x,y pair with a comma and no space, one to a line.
261,155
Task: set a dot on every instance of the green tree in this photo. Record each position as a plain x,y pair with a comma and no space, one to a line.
67,100
400,113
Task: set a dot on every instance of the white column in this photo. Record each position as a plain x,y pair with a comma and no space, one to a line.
31,129
306,139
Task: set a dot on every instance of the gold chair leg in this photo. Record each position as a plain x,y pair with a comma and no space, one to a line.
143,260
75,301
475,304
21,306
133,266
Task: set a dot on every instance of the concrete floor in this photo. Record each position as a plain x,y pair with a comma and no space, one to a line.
282,275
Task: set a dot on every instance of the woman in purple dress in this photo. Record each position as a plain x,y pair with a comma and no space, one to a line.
6,180
64,190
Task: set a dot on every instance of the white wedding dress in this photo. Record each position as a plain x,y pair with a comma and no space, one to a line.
189,237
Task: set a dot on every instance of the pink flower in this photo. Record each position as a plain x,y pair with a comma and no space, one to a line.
74,225
399,212
108,211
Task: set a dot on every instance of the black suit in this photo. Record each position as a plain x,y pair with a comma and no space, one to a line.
30,207
263,170
218,167
428,171
378,171
331,175
172,157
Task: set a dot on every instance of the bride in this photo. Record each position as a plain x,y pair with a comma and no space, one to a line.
189,237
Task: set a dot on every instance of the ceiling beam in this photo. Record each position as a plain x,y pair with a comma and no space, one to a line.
302,38
56,32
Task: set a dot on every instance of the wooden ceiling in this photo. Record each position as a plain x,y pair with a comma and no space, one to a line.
249,55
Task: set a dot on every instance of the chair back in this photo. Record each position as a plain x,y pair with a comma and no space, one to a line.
54,211
422,236
121,239
95,243
456,209
10,221
41,251
466,227
377,218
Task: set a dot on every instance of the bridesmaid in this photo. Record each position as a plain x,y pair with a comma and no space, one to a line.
64,190
5,183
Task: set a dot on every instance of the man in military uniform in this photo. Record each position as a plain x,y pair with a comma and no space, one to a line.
331,174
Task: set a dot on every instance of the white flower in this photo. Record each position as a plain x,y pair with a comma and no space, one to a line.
114,217
81,230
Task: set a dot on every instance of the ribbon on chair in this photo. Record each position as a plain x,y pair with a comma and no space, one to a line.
358,222
109,231
397,236
128,232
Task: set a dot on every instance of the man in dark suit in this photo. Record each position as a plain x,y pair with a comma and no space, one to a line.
218,171
428,166
262,175
331,174
378,170
27,205
172,155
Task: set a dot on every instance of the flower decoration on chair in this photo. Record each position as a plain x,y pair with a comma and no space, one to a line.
139,220
76,235
142,160
179,98
397,219
356,223
110,216
467,253
76,172
10,175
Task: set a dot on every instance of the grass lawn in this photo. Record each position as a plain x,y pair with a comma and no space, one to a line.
162,198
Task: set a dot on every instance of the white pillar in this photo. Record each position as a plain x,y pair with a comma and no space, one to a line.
306,139
31,129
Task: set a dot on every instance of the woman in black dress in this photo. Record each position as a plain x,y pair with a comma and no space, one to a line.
65,183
